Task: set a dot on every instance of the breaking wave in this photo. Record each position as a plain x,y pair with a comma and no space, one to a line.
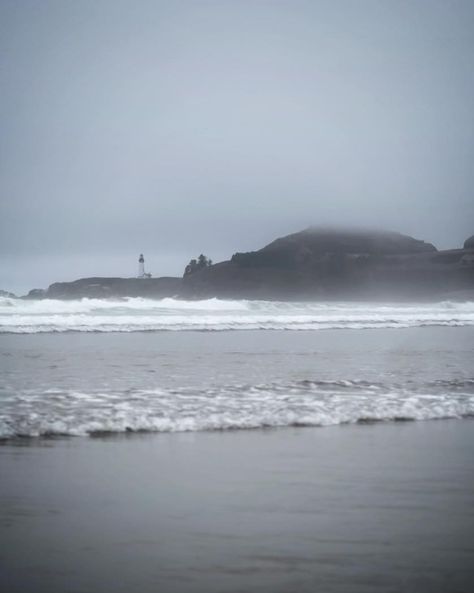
35,413
138,314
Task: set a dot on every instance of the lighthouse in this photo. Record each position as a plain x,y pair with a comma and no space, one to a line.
141,266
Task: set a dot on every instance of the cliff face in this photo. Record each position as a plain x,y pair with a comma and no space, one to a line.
321,263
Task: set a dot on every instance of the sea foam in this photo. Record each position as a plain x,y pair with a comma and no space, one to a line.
138,314
48,412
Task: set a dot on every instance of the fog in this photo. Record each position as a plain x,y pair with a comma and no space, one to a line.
180,127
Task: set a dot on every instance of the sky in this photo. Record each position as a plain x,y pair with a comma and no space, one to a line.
177,128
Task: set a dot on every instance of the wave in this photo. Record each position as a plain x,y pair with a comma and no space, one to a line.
138,314
51,412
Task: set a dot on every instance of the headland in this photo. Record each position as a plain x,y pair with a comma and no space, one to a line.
313,264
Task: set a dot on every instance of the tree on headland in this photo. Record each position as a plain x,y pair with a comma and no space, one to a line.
197,264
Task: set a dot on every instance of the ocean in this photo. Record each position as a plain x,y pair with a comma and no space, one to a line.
236,446
90,366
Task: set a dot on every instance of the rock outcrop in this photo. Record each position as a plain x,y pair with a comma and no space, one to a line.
312,243
326,264
469,243
101,288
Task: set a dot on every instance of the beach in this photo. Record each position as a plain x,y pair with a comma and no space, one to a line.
385,507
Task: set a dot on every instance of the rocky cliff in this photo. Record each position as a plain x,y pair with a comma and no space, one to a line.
114,287
312,264
325,263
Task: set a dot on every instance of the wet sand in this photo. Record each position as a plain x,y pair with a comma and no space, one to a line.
385,507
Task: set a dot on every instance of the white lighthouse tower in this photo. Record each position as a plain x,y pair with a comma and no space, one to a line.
141,266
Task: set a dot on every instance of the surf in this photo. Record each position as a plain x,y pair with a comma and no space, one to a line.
169,314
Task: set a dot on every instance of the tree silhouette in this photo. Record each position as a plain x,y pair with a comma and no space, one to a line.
197,264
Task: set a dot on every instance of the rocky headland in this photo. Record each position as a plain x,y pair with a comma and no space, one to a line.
312,264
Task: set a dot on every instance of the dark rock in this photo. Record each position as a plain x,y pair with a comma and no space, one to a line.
328,263
115,287
36,293
319,241
469,243
303,247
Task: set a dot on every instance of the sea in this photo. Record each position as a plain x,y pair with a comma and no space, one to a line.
236,446
96,366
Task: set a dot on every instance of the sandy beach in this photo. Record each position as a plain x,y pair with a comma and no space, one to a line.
383,507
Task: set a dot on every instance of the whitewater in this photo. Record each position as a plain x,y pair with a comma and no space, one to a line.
60,378
50,412
138,315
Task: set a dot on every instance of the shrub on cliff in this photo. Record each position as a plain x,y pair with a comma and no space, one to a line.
197,264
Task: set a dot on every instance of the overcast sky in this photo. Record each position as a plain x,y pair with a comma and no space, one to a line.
180,127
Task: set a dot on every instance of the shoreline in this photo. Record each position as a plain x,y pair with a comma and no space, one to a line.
39,440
